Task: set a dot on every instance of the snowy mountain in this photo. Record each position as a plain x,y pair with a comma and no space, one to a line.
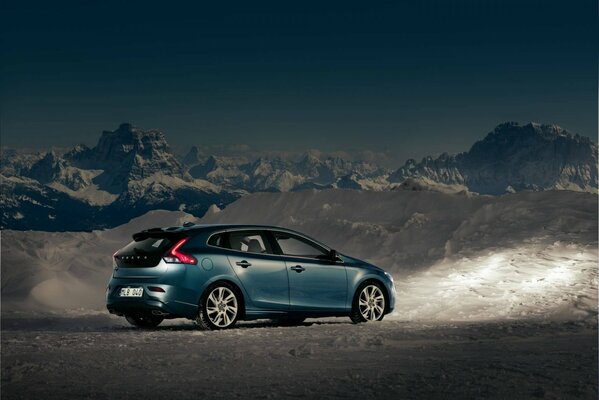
127,154
128,173
220,170
132,171
512,158
277,173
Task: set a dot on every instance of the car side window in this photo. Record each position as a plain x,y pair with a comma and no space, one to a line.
217,240
249,242
292,245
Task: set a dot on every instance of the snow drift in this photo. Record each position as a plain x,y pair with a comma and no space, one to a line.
66,270
454,256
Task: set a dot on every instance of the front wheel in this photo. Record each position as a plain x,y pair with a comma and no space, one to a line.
219,308
368,304
141,321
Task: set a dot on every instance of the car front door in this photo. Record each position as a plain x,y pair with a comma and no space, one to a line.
315,282
263,276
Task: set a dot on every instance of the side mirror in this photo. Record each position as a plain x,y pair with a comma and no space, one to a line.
333,255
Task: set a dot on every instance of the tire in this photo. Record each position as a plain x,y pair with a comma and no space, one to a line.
369,303
220,307
288,321
144,321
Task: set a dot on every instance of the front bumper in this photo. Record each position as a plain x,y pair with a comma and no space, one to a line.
390,286
393,298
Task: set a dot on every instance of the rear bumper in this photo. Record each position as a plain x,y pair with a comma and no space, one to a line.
168,304
143,307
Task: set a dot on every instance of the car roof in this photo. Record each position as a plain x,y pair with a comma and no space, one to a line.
192,228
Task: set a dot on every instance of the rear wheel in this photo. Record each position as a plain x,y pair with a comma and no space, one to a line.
219,308
144,321
369,303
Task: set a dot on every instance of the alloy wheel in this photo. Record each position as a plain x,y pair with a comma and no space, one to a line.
221,307
371,303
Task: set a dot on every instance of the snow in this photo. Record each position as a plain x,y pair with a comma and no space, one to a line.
422,183
131,171
92,194
554,282
159,181
454,257
44,271
98,356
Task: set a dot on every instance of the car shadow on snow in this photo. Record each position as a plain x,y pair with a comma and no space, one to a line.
241,325
109,323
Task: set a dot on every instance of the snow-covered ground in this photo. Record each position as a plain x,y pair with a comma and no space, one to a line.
556,281
98,357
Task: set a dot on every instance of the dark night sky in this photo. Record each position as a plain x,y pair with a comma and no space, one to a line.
411,78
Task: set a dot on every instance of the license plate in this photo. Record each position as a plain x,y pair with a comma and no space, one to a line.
131,292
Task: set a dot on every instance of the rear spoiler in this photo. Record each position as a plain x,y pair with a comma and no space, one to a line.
173,231
156,233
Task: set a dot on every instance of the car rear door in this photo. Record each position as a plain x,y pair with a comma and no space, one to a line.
141,259
315,282
262,274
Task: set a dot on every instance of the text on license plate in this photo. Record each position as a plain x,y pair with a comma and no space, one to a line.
131,292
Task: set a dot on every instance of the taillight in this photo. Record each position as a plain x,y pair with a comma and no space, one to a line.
175,256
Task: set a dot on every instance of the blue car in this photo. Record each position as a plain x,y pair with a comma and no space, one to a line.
220,274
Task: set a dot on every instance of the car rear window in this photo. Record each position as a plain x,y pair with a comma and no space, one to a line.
217,240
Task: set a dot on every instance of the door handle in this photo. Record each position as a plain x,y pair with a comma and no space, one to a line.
298,268
243,264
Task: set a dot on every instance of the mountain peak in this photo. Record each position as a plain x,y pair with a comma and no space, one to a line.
126,126
120,144
544,131
525,156
193,156
132,170
310,159
131,153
